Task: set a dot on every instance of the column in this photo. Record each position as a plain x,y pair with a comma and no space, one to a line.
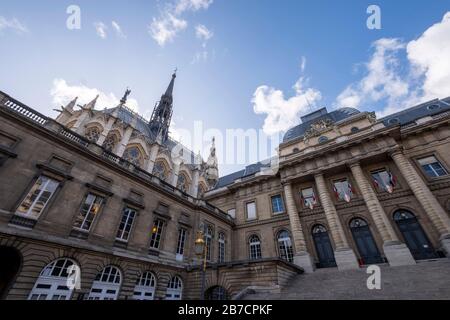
124,142
344,255
302,258
397,253
153,153
427,200
105,132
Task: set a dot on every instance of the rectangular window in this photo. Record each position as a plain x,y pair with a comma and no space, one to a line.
126,223
156,233
432,167
38,197
251,210
221,248
181,241
277,204
343,190
89,210
232,213
309,198
383,180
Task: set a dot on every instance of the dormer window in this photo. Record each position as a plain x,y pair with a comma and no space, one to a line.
323,139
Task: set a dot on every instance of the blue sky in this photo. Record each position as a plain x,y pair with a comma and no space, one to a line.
241,69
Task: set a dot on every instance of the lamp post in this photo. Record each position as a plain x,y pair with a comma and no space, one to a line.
200,251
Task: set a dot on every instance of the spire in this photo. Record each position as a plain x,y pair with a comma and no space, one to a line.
91,104
162,113
69,107
125,96
169,90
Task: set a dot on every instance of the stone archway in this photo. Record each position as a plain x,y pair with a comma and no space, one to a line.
9,268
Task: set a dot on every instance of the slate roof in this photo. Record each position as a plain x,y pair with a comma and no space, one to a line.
321,114
403,117
407,116
127,116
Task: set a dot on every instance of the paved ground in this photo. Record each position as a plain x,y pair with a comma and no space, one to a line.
425,280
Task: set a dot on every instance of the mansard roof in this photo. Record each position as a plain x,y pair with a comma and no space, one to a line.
321,114
402,118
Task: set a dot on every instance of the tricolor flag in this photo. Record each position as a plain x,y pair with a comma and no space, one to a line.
347,197
336,193
375,182
392,179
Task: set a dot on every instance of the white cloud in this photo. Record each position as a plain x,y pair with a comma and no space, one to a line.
100,28
170,22
283,113
62,93
164,29
118,29
429,56
303,64
382,81
423,74
192,5
12,24
203,33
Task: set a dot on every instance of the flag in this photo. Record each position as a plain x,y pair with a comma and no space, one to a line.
336,193
375,182
392,179
352,190
347,197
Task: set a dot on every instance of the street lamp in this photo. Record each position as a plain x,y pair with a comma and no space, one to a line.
200,251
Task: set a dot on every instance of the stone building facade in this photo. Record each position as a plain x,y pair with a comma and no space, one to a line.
108,195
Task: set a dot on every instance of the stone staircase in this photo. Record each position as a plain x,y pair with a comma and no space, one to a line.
428,279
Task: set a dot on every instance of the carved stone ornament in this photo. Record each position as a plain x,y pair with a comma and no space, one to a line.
318,127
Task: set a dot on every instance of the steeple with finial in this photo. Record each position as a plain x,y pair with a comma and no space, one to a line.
162,114
125,97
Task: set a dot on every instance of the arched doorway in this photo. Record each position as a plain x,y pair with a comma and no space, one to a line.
9,268
323,247
145,287
52,283
415,238
106,285
216,293
365,243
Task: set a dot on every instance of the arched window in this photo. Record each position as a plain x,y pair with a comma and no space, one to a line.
160,170
111,142
403,215
357,222
285,246
208,241
174,289
221,257
53,280
92,134
133,155
145,287
216,293
182,182
255,247
106,285
319,229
